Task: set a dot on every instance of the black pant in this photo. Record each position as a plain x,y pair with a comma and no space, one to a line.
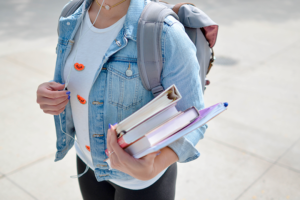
91,189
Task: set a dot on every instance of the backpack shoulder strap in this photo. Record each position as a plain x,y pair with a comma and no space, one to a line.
149,33
69,9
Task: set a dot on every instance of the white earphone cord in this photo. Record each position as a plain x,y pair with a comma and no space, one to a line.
67,82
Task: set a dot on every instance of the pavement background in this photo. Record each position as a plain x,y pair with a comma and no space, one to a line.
252,151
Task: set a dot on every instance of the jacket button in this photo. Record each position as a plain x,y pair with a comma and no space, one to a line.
68,23
97,103
118,43
128,72
103,175
101,165
97,135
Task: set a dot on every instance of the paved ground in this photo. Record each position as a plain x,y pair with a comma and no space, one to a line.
250,152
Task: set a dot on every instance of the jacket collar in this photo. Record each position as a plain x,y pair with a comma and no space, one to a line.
131,21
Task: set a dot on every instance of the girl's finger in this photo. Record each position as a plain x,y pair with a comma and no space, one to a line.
53,102
120,153
60,106
49,93
108,138
108,142
112,157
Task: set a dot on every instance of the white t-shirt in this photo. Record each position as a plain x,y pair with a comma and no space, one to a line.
89,51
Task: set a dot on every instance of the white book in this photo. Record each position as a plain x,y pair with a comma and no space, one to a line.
167,98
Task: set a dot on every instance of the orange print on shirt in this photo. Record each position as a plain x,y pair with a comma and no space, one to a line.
79,67
81,99
88,148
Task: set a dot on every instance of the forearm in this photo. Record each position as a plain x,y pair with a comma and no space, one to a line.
166,158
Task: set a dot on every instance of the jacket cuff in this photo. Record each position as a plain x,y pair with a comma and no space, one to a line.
185,150
184,147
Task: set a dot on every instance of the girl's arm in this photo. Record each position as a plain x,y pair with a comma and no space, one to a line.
181,68
166,158
144,168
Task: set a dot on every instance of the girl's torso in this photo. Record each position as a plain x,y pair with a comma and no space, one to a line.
115,94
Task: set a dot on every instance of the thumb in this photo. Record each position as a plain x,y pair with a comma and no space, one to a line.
56,86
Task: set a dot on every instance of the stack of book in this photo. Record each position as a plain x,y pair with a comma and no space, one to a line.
159,123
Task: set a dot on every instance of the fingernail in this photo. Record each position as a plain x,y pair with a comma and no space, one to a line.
158,153
69,97
109,126
68,92
115,124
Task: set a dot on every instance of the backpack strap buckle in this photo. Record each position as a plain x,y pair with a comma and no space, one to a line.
157,90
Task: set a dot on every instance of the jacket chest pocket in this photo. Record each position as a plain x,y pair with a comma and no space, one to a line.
125,89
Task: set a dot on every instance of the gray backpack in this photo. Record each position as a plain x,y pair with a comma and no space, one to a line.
198,26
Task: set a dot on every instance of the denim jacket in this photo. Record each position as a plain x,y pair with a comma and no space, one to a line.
114,95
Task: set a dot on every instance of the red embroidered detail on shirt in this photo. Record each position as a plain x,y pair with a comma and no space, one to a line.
79,67
81,99
88,148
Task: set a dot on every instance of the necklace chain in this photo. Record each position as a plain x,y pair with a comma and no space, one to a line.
108,7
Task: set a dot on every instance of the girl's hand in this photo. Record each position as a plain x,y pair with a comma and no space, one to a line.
51,100
142,169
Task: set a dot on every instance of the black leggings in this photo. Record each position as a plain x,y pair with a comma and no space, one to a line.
91,189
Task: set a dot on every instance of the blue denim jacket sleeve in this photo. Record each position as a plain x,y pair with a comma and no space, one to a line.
181,68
